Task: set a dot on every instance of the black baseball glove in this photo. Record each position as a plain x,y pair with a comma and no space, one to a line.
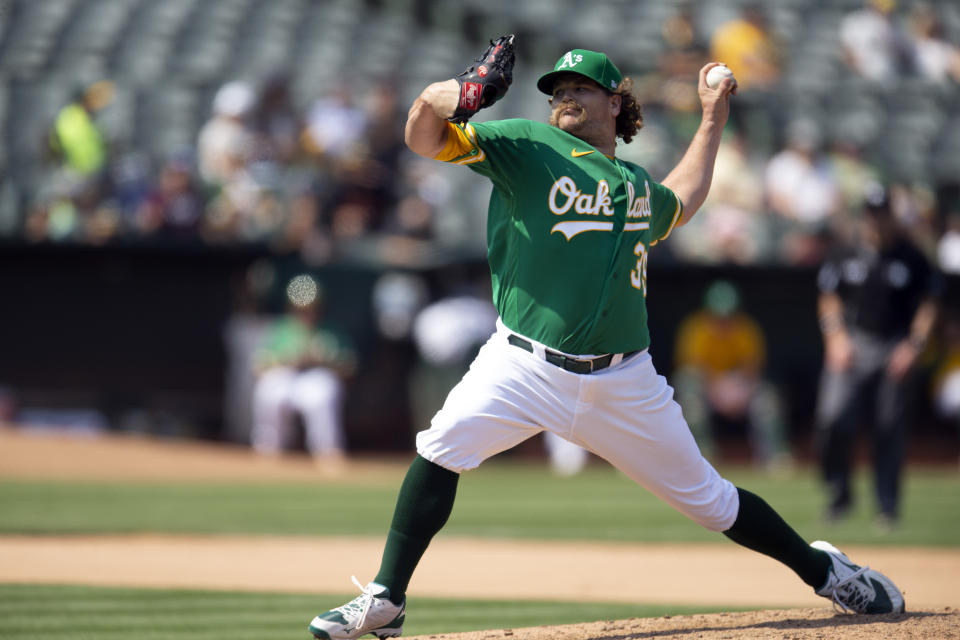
487,79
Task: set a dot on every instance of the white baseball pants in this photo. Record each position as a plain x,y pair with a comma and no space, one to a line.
316,394
625,414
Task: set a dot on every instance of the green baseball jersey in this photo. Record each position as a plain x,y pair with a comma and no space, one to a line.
289,341
568,234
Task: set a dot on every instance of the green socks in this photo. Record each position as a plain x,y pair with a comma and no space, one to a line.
760,528
428,492
423,506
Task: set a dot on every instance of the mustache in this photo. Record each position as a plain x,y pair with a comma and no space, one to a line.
565,103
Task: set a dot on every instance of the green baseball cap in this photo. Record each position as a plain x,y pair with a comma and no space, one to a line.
722,298
592,64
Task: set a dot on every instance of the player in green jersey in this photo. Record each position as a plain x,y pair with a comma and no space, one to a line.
569,230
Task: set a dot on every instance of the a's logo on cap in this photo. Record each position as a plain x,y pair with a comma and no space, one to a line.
613,84
570,60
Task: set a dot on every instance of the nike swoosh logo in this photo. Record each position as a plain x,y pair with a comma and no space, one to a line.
577,154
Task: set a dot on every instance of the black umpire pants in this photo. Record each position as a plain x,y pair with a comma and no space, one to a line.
863,393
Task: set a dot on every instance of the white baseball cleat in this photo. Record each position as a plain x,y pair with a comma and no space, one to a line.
857,589
370,612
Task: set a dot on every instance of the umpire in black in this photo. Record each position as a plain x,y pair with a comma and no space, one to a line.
877,307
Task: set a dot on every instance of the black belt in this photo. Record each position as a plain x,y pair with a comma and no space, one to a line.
566,362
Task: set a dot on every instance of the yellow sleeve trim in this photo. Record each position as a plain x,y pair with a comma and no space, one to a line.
673,223
461,147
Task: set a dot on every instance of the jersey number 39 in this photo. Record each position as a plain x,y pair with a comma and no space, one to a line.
638,275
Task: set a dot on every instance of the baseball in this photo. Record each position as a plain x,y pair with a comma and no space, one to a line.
716,75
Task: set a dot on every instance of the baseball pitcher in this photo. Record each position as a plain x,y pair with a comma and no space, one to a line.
569,230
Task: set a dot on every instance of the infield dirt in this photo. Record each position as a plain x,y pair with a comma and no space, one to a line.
677,574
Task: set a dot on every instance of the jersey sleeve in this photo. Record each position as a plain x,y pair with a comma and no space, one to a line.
666,210
461,147
493,149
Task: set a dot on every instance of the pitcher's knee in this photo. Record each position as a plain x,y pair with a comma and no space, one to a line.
718,510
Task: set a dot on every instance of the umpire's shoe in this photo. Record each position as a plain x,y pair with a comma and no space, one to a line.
370,612
857,589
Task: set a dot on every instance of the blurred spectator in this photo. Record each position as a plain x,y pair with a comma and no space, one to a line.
249,208
315,182
945,381
749,48
877,308
430,188
412,218
69,205
357,147
720,356
72,210
383,149
852,175
684,49
173,208
914,208
397,299
133,178
731,225
335,125
447,333
248,204
75,138
934,56
276,122
226,142
948,248
873,47
301,366
683,53
366,175
53,216
303,232
802,191
243,333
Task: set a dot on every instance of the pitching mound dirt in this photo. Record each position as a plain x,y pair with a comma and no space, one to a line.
792,624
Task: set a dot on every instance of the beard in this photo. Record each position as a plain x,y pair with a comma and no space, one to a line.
570,127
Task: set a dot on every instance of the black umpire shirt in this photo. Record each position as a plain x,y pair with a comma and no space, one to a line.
881,291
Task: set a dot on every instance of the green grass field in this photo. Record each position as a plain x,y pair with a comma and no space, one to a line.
499,500
503,499
29,612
